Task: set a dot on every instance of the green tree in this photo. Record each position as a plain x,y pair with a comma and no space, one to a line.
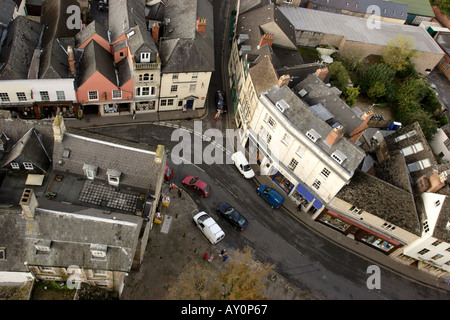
377,75
351,95
444,5
377,91
338,75
399,52
427,123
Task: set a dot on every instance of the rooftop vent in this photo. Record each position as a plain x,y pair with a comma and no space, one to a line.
313,135
282,105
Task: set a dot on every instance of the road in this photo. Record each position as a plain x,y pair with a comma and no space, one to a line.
304,257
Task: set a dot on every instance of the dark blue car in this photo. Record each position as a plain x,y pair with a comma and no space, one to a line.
232,216
272,196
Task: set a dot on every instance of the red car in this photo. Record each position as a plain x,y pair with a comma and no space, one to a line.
197,185
168,174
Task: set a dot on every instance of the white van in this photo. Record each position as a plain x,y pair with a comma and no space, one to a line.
209,227
242,164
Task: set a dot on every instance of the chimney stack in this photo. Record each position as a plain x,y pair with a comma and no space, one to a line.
200,25
71,58
59,128
322,73
155,31
29,203
335,135
266,38
284,79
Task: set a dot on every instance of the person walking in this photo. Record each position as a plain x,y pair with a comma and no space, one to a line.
205,256
211,258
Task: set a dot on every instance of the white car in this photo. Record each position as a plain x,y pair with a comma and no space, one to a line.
209,227
242,164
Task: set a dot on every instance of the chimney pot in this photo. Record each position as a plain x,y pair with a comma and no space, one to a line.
335,135
284,79
201,25
29,203
266,39
155,31
71,59
59,128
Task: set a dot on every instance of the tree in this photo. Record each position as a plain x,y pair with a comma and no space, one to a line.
444,5
399,52
426,122
243,279
377,91
338,75
351,95
377,77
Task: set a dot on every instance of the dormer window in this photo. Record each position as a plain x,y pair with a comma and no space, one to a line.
98,251
338,156
90,171
113,177
145,57
313,135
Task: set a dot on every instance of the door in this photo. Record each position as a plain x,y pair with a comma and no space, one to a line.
189,104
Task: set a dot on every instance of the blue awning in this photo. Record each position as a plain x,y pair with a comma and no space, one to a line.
317,204
305,193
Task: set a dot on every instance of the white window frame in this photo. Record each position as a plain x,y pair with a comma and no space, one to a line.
174,88
192,87
28,165
286,139
114,94
325,172
21,96
60,95
316,184
145,56
15,165
91,96
151,91
293,164
4,96
45,96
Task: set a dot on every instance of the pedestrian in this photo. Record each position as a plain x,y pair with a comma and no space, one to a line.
223,252
179,193
224,257
205,256
184,108
134,114
211,258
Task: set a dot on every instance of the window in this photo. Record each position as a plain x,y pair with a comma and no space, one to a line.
437,203
426,228
2,254
113,177
15,165
300,152
436,243
46,270
447,66
270,121
355,210
423,251
175,76
93,95
98,252
44,95
21,96
174,88
145,77
192,87
145,57
4,96
145,91
293,164
195,75
388,226
28,165
117,94
338,156
447,144
60,95
170,102
316,184
163,102
325,172
286,139
313,135
436,257
90,171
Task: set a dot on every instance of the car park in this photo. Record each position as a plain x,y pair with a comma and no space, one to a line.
232,216
209,227
273,197
197,185
242,165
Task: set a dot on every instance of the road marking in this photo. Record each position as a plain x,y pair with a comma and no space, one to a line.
226,188
188,162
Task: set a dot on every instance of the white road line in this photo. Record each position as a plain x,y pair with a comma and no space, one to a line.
188,162
226,188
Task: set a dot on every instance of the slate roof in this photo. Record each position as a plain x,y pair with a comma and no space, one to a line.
96,58
6,13
124,15
31,148
183,48
54,63
134,161
319,92
383,200
443,39
304,119
92,28
356,28
18,48
69,246
263,75
142,41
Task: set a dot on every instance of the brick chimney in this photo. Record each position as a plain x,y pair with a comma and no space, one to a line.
266,38
71,59
200,25
322,73
59,128
437,181
284,79
335,135
155,31
29,203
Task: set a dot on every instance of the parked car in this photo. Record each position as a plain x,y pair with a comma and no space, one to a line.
221,101
272,196
168,173
209,227
242,164
194,183
231,215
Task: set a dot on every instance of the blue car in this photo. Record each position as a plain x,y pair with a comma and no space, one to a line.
270,195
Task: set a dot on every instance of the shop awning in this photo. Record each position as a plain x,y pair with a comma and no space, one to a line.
305,193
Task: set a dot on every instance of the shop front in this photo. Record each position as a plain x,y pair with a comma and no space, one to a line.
48,111
358,231
282,181
306,201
